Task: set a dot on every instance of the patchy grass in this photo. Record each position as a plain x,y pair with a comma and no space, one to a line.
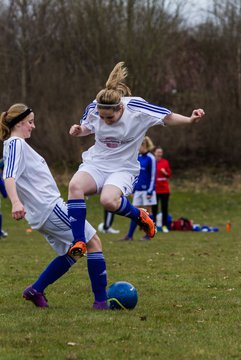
188,284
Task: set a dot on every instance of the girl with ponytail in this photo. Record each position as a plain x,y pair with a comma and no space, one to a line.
110,167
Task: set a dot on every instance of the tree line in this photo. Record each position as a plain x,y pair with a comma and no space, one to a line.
57,54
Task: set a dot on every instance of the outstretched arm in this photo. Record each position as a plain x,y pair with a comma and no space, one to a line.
18,211
177,119
79,130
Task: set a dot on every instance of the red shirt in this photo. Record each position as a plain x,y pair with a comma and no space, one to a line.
162,185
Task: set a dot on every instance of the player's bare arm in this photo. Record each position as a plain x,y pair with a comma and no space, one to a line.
178,119
18,211
79,130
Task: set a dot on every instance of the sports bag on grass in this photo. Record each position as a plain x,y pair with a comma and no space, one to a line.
182,224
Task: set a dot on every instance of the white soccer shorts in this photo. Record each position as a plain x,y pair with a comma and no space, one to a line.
123,180
140,199
57,230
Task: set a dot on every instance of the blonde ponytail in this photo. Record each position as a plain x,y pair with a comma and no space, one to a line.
115,87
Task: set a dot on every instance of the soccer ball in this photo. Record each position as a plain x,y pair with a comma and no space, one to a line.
122,295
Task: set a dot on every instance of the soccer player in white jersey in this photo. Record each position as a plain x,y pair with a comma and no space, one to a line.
34,195
110,167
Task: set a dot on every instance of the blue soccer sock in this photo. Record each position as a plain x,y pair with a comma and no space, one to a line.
97,273
132,228
58,267
77,216
127,209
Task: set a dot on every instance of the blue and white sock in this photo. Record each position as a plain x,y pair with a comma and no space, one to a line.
77,216
58,267
127,209
97,273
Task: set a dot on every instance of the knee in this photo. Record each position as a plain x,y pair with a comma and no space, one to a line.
94,245
109,203
75,190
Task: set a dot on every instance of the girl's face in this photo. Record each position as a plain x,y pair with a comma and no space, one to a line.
24,128
109,116
158,154
143,148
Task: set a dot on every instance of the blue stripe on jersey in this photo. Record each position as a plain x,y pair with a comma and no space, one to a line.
135,181
138,104
153,172
87,110
12,157
61,215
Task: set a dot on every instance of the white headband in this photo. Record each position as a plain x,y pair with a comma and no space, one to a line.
108,105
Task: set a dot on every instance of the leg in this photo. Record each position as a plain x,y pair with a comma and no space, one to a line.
57,268
106,226
137,201
60,265
131,231
1,231
164,207
154,212
108,220
97,272
82,183
113,200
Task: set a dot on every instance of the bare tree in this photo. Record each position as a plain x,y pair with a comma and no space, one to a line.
57,54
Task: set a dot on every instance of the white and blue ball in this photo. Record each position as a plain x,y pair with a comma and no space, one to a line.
122,295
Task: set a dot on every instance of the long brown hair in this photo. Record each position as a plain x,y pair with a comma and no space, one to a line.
6,118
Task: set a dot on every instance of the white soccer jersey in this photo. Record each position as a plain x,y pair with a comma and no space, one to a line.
116,146
36,187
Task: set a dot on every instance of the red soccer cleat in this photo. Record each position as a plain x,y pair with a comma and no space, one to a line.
78,249
146,223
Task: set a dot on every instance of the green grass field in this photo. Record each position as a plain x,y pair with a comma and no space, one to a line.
189,287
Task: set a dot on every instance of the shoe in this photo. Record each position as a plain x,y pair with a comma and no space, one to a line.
112,231
39,299
78,249
3,233
146,223
107,231
100,305
101,227
145,237
126,238
165,229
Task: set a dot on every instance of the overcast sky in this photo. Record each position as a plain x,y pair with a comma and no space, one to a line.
197,10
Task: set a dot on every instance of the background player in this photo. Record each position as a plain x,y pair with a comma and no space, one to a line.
163,172
144,192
